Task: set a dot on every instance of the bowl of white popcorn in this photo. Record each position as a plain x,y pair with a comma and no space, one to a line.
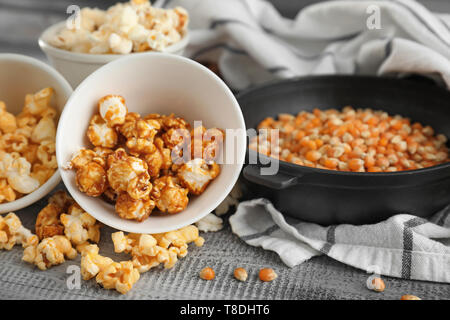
30,104
79,46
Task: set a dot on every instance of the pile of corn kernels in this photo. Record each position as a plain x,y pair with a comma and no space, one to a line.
63,230
139,163
361,140
27,146
135,26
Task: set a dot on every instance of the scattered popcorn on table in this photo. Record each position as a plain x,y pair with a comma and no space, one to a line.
113,110
27,146
135,26
79,226
92,262
63,234
49,252
137,163
118,275
172,197
149,251
210,223
12,232
48,223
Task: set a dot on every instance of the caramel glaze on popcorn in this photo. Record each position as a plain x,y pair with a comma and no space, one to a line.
63,229
27,146
361,140
137,163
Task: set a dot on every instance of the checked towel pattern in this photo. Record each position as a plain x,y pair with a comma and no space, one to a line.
403,246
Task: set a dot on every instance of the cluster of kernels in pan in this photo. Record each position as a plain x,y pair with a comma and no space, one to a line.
134,26
139,163
361,140
27,146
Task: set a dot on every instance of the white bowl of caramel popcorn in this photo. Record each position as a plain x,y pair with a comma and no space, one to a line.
122,135
32,96
78,47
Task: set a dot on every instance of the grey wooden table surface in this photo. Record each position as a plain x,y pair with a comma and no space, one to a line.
21,22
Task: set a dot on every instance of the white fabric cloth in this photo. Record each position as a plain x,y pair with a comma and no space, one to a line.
253,43
403,246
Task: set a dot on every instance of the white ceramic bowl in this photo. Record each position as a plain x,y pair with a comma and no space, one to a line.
75,67
153,83
21,75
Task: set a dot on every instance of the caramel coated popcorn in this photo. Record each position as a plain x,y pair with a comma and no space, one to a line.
12,232
135,26
210,223
79,226
64,228
149,251
27,146
118,275
140,164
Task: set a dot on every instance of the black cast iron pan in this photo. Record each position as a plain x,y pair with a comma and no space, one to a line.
331,197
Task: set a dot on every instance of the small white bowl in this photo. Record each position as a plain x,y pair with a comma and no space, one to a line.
21,75
75,67
154,83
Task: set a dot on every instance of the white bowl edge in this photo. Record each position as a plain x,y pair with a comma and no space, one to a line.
50,184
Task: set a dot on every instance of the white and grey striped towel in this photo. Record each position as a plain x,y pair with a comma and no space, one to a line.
403,246
253,43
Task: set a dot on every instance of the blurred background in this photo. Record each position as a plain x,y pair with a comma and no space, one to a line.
22,21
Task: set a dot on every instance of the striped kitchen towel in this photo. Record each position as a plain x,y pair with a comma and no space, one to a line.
403,246
252,43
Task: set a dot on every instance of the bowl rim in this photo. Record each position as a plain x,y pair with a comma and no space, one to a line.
292,168
91,57
55,179
225,191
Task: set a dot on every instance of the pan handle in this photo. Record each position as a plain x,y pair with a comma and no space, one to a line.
278,181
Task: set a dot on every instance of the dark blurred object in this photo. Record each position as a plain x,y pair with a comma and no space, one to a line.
214,67
290,8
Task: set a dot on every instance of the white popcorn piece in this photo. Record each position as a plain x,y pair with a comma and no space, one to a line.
196,174
44,130
157,40
210,223
112,109
120,45
23,183
17,171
